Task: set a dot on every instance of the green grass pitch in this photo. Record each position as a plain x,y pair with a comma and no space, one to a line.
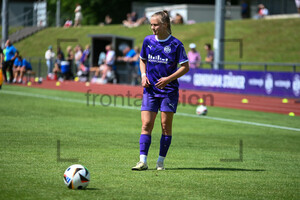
105,140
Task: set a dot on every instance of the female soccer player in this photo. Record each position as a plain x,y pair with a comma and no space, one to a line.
160,55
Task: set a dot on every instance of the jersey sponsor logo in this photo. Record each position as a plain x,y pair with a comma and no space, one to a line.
149,47
157,59
167,49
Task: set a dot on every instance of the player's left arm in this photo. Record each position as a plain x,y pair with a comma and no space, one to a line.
163,81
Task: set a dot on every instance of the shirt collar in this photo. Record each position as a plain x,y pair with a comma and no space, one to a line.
164,39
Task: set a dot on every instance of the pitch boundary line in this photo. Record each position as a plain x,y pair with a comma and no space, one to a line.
135,108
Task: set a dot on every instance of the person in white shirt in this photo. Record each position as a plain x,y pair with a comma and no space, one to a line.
78,15
298,5
49,56
106,69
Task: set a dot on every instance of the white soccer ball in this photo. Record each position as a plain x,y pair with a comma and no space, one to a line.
201,110
77,177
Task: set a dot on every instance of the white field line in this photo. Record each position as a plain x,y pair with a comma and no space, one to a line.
137,108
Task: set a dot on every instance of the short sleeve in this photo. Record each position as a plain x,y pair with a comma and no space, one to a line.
143,55
181,54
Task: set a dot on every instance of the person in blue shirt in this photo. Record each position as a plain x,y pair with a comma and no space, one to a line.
10,55
129,54
21,66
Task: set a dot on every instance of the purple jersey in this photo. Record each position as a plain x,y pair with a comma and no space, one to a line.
162,58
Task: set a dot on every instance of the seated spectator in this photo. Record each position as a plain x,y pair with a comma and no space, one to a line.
133,20
178,19
84,64
21,66
106,69
262,11
77,56
68,23
17,67
57,66
210,53
194,57
26,66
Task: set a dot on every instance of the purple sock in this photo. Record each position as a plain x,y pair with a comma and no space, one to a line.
165,143
145,141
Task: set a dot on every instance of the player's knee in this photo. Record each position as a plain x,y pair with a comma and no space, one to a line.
166,129
147,126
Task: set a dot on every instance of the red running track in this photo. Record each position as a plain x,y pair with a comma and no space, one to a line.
257,103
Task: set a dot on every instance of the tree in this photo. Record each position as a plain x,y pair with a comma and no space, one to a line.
94,11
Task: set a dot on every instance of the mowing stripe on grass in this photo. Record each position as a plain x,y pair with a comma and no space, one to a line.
137,108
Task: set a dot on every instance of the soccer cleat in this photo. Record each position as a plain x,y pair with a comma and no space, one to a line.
160,166
140,166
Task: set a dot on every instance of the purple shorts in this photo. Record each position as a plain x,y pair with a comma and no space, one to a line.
164,104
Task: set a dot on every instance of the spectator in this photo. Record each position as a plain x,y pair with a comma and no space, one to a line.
194,56
17,67
106,69
178,19
68,23
262,11
84,64
129,54
57,66
107,20
1,57
133,20
85,56
21,66
10,53
78,15
298,5
244,9
210,53
49,56
59,51
136,70
1,64
70,57
78,55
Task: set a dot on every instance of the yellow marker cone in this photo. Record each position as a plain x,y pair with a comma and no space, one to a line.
291,114
285,100
36,79
29,83
245,100
76,79
57,83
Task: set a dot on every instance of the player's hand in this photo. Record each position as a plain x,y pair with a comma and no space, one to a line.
162,82
145,81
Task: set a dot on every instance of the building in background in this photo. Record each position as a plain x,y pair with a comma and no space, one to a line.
27,13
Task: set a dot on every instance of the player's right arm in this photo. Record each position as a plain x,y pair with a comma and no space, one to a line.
145,80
